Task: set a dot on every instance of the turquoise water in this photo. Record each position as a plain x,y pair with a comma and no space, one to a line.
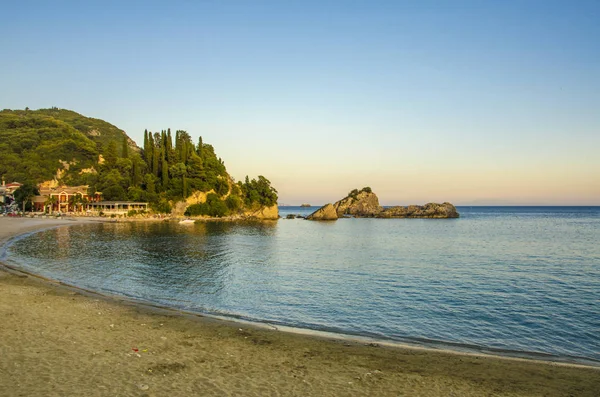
518,280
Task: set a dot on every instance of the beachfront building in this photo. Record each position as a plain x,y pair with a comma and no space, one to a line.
64,198
116,207
7,190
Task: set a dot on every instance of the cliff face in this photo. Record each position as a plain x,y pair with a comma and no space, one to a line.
264,213
325,213
363,204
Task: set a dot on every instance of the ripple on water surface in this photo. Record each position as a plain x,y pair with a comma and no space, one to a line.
518,279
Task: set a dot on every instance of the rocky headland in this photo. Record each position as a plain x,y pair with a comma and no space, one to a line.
365,204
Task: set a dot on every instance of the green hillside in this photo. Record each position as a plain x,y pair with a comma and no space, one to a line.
34,144
97,130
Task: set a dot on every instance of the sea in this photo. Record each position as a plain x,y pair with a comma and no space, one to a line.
517,281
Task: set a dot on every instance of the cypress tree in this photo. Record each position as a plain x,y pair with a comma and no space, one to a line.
170,157
150,187
177,147
145,142
184,150
165,171
125,149
150,153
136,175
156,155
199,148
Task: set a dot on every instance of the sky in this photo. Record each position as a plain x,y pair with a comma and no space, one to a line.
471,102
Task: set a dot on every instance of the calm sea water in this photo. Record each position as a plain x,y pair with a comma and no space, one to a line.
510,279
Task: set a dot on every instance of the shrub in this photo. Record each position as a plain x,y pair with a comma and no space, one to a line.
233,203
162,206
213,206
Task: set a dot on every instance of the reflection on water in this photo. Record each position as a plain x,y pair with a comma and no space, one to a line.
522,279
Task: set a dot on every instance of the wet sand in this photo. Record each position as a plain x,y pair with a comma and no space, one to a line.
59,341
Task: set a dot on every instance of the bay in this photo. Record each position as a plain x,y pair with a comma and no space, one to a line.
517,280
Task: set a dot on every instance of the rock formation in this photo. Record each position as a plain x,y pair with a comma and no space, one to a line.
264,213
325,213
365,204
430,210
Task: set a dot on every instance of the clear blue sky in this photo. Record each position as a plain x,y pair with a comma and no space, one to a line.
462,101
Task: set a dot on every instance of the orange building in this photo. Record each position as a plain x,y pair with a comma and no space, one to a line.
64,198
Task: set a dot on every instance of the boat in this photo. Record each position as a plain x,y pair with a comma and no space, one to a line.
186,222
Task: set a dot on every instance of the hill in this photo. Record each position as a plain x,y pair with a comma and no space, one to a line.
69,148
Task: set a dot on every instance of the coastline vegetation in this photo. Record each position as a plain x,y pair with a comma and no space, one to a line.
355,192
46,144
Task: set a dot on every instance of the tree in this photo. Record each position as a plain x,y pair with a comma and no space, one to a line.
165,171
76,201
259,192
155,154
125,148
150,184
149,151
136,171
110,154
267,193
169,147
25,193
145,141
51,202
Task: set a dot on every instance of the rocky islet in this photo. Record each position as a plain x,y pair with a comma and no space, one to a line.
365,204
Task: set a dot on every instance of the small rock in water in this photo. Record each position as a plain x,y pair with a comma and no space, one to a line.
144,387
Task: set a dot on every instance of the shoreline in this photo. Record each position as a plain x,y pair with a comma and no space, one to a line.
274,344
426,345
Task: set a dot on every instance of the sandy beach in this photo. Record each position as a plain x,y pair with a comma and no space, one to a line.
59,341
